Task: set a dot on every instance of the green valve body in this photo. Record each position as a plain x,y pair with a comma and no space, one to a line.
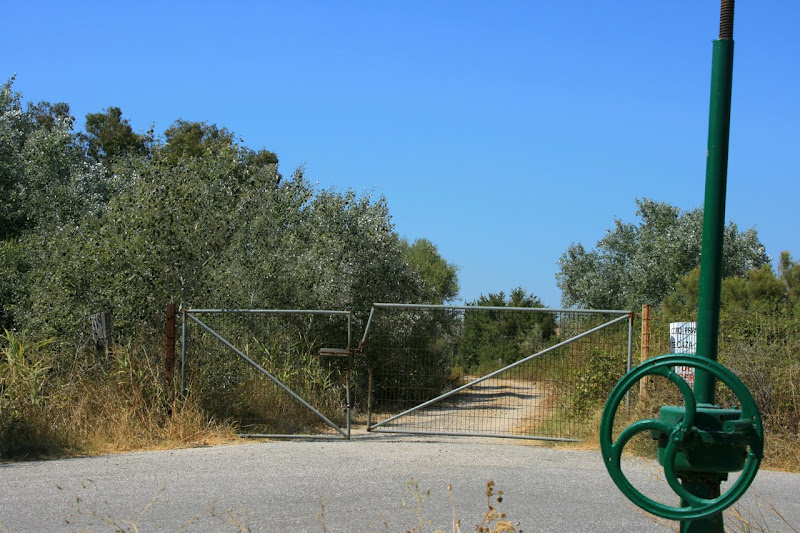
715,445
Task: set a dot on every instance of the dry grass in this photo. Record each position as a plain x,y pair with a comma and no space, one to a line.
91,512
97,403
781,452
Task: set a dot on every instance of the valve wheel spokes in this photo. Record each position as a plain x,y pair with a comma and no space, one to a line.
677,434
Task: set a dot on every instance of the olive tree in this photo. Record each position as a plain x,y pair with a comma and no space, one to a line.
213,225
642,263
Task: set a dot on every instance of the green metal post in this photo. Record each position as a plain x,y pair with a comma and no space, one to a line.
719,119
699,443
714,214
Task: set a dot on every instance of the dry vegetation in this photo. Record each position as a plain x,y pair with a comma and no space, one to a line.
98,403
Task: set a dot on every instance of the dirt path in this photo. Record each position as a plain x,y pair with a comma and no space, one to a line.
495,406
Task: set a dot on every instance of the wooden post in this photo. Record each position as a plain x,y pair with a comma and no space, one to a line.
101,331
169,351
647,382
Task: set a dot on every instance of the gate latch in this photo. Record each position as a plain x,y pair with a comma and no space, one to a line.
334,352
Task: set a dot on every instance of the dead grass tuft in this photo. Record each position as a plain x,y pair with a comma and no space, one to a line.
100,403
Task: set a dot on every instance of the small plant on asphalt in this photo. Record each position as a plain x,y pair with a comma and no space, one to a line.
495,521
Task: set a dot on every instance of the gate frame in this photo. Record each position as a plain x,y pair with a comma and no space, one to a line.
377,427
188,314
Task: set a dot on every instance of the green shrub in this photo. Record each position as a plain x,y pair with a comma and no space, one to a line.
598,374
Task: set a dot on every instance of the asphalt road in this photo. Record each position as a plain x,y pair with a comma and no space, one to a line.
363,485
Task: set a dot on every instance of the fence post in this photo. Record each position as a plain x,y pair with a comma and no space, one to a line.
183,351
646,383
101,331
169,348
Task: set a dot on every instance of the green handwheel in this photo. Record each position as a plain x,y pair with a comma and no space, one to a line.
680,435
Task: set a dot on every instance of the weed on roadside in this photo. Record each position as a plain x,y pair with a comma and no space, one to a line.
492,521
92,512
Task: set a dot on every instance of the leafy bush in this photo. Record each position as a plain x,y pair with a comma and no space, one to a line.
760,345
599,372
112,220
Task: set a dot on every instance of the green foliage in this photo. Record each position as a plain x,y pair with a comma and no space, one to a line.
44,179
759,290
108,136
46,185
685,297
186,139
353,257
412,354
761,347
48,116
22,374
763,290
287,346
790,274
13,266
221,230
759,343
240,395
594,382
439,277
494,339
113,220
23,377
637,264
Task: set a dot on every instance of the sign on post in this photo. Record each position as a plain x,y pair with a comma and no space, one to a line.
683,339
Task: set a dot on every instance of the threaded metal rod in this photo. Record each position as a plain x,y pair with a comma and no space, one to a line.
726,19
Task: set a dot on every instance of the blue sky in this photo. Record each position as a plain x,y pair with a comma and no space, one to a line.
502,131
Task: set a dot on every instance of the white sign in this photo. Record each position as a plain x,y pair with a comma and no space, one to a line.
683,339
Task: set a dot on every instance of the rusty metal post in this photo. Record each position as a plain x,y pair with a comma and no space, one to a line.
169,347
647,382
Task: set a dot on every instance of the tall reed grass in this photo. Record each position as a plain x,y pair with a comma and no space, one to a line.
55,403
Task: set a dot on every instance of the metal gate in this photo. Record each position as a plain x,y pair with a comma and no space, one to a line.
514,372
273,373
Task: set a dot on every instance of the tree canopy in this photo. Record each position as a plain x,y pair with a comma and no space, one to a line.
761,290
642,263
108,136
110,219
439,277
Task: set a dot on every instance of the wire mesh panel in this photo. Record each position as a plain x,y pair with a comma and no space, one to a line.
494,371
271,372
760,346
